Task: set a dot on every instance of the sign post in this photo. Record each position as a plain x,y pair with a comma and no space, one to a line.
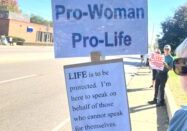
95,56
97,99
97,91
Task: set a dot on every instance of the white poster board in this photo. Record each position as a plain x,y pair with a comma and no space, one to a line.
112,27
97,96
157,61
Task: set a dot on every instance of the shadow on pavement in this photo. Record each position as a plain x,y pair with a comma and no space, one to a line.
142,74
131,63
133,58
141,108
138,89
145,72
162,118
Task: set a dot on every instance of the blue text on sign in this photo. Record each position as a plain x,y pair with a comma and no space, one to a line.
98,11
119,39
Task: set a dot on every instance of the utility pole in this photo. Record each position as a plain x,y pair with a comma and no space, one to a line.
152,35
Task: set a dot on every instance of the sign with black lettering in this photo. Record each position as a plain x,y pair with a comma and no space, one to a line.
97,96
113,27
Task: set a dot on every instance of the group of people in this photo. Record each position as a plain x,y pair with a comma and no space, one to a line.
179,65
160,77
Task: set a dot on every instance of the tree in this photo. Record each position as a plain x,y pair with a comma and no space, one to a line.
3,8
39,20
174,29
11,6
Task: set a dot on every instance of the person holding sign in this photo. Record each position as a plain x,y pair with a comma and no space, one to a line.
179,120
162,77
154,71
157,60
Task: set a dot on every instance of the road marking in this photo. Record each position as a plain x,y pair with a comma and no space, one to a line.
18,78
63,123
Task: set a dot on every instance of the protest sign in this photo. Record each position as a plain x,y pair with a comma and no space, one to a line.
97,96
112,27
156,61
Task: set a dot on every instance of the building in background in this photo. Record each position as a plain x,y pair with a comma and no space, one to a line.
5,2
18,25
15,24
11,5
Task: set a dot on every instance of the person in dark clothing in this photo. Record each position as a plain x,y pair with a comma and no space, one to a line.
161,78
154,71
142,59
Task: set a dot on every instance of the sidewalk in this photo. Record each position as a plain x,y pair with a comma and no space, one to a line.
145,117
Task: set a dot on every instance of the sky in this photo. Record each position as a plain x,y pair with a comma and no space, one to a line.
158,11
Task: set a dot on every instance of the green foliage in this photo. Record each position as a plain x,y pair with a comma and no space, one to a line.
40,20
18,39
174,29
175,86
13,7
3,8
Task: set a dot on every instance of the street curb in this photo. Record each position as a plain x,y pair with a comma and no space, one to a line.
170,103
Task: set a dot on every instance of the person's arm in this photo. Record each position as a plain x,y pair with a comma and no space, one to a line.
167,66
178,122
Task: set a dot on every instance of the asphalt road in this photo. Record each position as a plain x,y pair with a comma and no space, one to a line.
32,88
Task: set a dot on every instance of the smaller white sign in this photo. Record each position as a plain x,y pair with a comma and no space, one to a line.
156,61
97,96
